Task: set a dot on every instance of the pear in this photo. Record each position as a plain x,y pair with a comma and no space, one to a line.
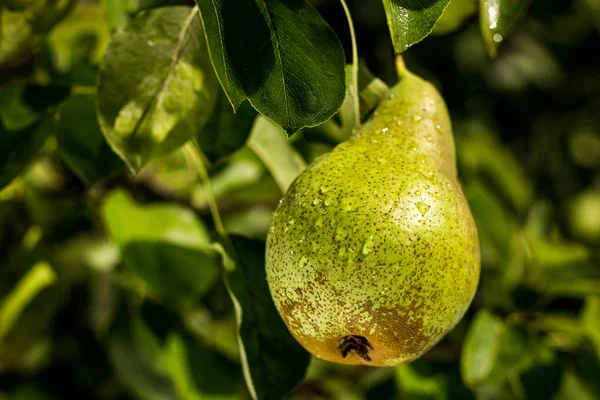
373,255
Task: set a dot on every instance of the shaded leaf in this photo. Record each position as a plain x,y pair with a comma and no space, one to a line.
273,361
81,143
497,18
225,131
156,86
411,21
270,144
280,55
165,245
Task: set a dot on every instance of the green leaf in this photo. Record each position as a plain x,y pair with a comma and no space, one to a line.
81,143
497,18
37,278
280,55
273,361
81,37
134,352
411,21
457,12
226,131
156,86
591,321
270,144
164,245
199,373
492,350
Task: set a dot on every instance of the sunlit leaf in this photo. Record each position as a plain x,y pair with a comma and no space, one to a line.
280,55
165,245
156,86
271,145
273,361
410,21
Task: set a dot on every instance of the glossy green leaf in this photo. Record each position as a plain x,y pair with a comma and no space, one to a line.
497,18
454,16
411,21
81,143
270,144
37,278
164,245
272,359
280,55
226,131
156,86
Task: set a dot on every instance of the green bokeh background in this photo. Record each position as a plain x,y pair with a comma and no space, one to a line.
110,284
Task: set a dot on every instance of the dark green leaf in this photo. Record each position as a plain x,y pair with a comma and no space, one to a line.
410,21
164,245
273,361
497,18
280,55
81,143
225,131
156,85
134,351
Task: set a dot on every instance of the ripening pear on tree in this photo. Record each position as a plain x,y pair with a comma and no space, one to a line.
373,255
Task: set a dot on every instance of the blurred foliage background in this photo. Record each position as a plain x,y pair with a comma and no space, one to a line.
110,283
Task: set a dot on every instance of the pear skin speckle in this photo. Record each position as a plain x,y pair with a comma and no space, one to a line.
382,259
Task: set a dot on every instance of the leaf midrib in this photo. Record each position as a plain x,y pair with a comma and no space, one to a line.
169,74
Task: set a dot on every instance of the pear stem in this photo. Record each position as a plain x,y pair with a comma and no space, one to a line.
401,69
354,66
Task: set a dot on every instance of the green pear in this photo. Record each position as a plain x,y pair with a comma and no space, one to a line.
373,255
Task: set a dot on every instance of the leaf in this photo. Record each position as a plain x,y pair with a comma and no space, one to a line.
273,361
81,143
457,12
411,21
81,37
280,55
165,245
199,373
272,147
371,91
591,321
134,353
225,131
497,18
492,350
37,278
156,86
